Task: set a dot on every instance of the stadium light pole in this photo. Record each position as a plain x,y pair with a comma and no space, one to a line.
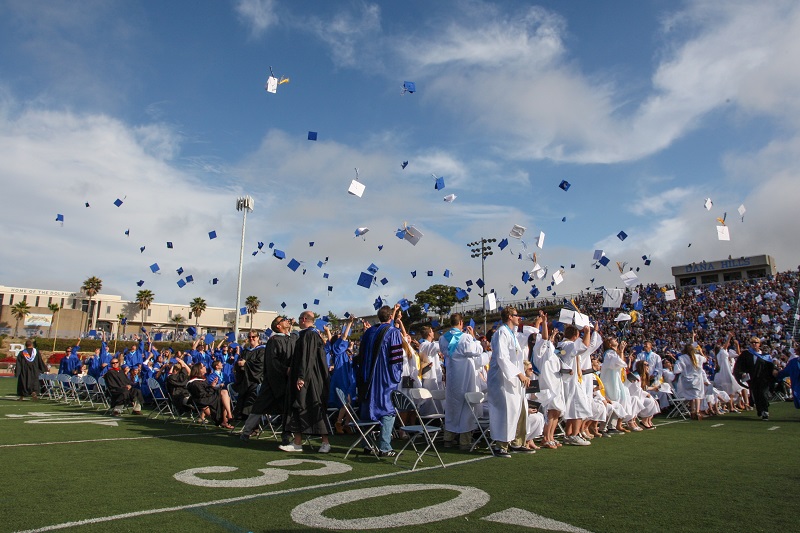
243,204
482,249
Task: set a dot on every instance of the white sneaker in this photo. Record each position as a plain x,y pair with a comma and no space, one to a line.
325,448
291,447
577,440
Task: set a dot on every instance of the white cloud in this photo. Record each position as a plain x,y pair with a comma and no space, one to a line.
349,36
259,15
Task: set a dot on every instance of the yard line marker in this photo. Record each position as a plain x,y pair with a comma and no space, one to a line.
96,440
238,499
717,425
668,423
773,428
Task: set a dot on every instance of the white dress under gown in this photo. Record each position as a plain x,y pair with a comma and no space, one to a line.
691,380
463,364
551,386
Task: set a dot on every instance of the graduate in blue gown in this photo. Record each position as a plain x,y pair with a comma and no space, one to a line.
378,368
71,363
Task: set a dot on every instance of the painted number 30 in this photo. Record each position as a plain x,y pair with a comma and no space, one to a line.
269,476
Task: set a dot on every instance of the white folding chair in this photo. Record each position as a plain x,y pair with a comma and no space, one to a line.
680,408
68,394
96,394
420,397
403,403
475,400
363,429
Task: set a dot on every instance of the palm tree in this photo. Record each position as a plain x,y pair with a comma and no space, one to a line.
252,303
91,287
54,308
177,320
197,306
19,311
144,298
120,319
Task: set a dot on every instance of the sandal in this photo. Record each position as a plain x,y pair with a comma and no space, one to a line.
226,426
550,444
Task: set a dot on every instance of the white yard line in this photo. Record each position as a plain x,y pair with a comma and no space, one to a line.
237,499
717,425
773,428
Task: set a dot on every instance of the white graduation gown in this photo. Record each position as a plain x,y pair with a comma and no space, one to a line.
551,393
505,391
723,379
611,374
578,404
691,381
462,371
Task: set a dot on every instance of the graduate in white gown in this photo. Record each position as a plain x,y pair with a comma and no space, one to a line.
506,382
643,388
595,342
723,379
535,419
465,357
690,379
613,374
431,370
578,404
551,386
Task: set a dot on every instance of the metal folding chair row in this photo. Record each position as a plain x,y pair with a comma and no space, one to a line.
426,432
364,430
476,400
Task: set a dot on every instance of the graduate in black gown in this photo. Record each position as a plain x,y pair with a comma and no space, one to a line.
248,374
309,383
122,390
272,397
204,395
29,366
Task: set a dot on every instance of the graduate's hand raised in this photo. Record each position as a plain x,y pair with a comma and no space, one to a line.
469,330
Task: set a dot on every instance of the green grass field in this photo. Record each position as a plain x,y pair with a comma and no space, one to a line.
63,465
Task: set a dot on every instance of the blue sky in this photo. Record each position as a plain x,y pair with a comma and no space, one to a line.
646,108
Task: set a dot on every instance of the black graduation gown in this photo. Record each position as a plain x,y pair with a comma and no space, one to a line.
27,372
117,384
205,395
278,355
308,407
176,387
248,378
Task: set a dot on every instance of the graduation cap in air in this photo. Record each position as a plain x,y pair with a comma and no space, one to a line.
502,244
479,283
255,253
517,231
372,268
169,244
450,198
365,280
191,331
117,202
377,303
412,234
622,235
564,185
409,87
212,234
425,307
330,288
140,282
356,187
403,165
260,245
87,204
604,261
404,304
361,231
461,294
439,182
154,268
325,275
469,283
446,273
430,273
283,305
189,279
526,277
294,264
316,301
384,281
742,211
60,218
141,249
514,290
312,135
243,310
708,204
540,240
413,273
215,281
278,254
128,232
181,283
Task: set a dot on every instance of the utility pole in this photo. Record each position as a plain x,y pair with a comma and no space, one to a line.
482,249
243,204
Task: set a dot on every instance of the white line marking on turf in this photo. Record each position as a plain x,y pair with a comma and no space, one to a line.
717,425
773,428
96,440
238,499
521,517
668,423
